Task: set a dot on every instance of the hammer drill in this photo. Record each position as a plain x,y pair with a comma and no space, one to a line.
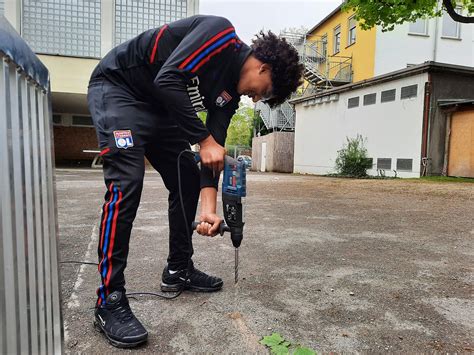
233,195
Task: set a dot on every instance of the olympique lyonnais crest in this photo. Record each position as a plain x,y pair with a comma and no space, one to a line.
223,99
123,139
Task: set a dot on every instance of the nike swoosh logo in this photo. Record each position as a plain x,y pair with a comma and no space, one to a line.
101,320
183,279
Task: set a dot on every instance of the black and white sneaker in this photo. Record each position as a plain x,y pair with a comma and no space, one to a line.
116,320
196,281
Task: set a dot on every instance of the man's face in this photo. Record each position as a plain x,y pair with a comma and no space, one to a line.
256,83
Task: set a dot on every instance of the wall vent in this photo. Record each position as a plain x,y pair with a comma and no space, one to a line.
388,95
353,102
384,163
405,164
409,91
370,99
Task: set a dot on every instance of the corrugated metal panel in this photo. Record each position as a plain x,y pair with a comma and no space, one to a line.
30,319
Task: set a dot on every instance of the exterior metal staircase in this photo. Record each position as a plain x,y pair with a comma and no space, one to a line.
281,118
321,72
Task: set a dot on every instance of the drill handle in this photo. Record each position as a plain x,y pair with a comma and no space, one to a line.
222,228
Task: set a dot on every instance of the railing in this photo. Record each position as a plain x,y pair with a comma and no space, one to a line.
321,71
280,118
339,69
30,316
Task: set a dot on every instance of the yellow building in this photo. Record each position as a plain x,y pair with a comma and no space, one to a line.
340,41
339,38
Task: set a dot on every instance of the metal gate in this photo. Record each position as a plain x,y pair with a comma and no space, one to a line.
29,284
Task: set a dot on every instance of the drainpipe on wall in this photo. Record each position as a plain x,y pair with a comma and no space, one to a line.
446,144
426,126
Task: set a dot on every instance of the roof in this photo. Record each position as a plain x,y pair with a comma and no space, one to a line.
336,10
456,104
406,72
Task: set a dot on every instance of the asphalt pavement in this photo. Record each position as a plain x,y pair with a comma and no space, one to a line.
332,264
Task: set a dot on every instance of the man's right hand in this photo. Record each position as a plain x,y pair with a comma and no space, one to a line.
209,224
212,154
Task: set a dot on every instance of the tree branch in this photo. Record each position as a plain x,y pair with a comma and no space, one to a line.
454,15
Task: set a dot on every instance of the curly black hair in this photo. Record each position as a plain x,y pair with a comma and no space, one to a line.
283,58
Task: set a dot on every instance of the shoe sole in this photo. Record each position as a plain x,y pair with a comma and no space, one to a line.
98,327
177,287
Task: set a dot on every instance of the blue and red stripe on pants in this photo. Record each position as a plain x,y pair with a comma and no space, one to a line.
108,230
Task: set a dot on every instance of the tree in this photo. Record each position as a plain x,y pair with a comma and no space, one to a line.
240,130
388,13
241,127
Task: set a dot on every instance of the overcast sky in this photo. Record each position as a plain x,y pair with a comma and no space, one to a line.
250,16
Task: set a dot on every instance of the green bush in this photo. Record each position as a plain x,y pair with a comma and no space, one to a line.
352,159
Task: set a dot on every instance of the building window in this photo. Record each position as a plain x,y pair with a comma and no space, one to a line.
451,28
370,99
62,27
82,121
351,38
135,17
388,95
420,27
353,102
2,7
324,46
405,164
409,91
57,119
337,39
384,163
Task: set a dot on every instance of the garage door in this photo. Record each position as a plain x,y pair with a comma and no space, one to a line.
461,144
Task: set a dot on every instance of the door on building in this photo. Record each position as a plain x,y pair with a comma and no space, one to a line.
461,144
263,161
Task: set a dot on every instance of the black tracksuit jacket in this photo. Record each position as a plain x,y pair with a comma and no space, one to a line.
188,66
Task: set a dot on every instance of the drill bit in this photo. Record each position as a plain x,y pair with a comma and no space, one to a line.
236,266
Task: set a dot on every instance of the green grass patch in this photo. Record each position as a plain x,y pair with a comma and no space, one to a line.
280,346
441,179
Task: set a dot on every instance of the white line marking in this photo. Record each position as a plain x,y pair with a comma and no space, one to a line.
73,302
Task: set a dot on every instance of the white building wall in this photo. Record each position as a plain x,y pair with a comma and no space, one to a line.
396,49
392,129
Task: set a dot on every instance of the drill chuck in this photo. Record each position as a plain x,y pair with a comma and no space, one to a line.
236,237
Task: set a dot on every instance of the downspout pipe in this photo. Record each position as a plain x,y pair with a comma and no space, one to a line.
426,125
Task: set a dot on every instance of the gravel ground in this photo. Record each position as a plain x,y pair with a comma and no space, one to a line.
337,265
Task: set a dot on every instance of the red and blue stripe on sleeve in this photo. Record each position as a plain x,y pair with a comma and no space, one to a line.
212,47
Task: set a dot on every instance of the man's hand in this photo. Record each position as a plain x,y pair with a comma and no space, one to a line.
209,226
212,154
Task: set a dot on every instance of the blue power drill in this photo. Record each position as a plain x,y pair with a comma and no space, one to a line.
233,196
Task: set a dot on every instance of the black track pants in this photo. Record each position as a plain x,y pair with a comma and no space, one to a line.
148,133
